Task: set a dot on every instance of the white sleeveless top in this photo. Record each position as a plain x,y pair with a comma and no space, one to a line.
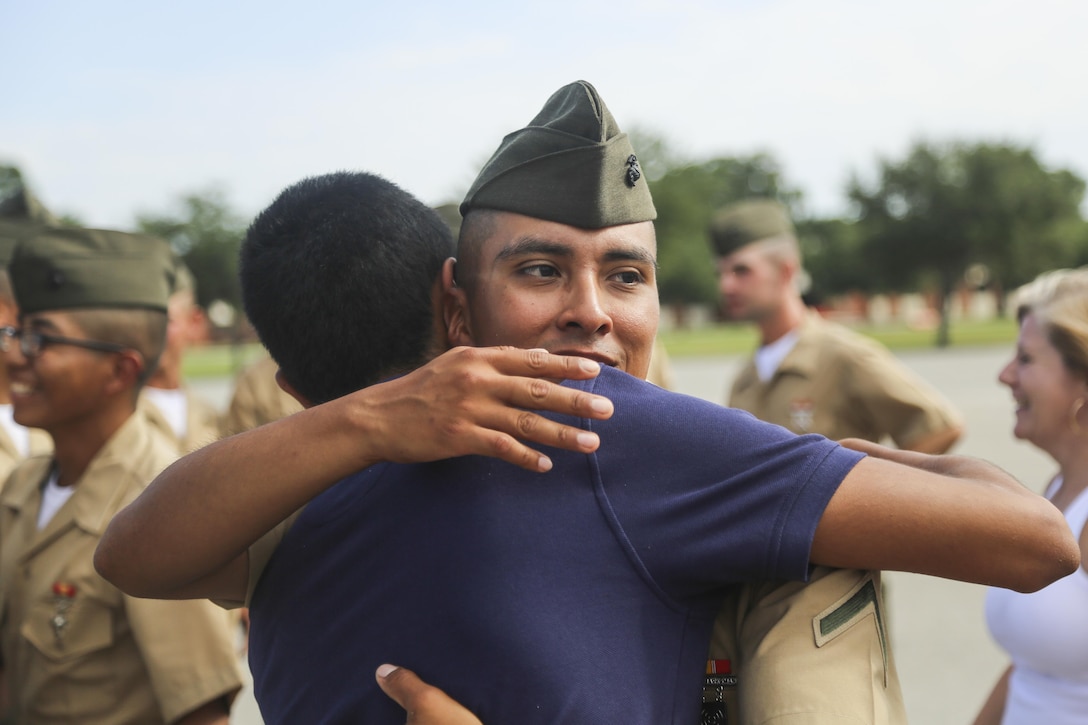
1046,634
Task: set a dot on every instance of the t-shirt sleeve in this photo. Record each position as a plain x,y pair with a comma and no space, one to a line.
706,496
259,553
263,549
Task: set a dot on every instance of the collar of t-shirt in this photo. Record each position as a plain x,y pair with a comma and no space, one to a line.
769,357
18,434
53,497
173,406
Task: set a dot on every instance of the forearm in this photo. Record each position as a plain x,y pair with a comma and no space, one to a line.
208,507
186,534
949,516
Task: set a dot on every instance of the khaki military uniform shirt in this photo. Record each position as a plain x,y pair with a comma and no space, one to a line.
817,653
840,384
77,650
257,398
202,421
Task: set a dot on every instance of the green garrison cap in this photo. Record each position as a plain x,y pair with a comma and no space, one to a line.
740,224
570,165
66,268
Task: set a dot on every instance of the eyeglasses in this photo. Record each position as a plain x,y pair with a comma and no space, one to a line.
32,342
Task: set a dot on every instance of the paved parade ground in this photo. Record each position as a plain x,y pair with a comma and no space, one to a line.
947,663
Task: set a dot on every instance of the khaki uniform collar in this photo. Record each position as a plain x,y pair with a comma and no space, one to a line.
94,501
7,445
802,360
154,415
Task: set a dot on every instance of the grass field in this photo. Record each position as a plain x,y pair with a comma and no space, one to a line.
216,361
224,360
733,339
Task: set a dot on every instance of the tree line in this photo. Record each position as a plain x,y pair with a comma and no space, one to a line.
920,223
945,215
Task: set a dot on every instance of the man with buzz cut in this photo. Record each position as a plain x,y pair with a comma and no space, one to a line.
75,649
584,594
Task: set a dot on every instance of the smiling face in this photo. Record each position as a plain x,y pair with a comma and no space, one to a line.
539,284
64,384
1044,389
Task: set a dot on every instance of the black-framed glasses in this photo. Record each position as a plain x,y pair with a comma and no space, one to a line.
32,342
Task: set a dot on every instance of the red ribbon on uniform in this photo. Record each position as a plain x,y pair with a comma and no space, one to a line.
63,589
719,667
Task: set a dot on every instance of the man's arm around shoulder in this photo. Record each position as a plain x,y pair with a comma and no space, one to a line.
950,516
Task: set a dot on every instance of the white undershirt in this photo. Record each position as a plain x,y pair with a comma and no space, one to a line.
53,497
18,434
173,406
769,357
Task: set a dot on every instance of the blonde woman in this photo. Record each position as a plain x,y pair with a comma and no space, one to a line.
1046,633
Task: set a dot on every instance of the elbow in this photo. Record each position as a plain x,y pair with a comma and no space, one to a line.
111,565
1045,573
1052,553
106,566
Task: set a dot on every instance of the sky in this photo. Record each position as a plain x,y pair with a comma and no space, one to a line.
113,109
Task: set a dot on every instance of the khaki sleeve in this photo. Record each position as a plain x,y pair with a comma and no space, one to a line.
241,414
257,399
901,404
188,649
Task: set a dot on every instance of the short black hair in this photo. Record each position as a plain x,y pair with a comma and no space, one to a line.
336,279
476,228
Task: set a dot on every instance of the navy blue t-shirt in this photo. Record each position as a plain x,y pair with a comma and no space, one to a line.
583,595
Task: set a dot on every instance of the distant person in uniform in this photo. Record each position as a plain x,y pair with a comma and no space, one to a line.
173,408
813,376
75,648
1046,633
808,374
16,441
257,398
586,594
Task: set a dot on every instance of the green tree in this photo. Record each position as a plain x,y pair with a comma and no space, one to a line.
1028,218
944,207
207,233
833,259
